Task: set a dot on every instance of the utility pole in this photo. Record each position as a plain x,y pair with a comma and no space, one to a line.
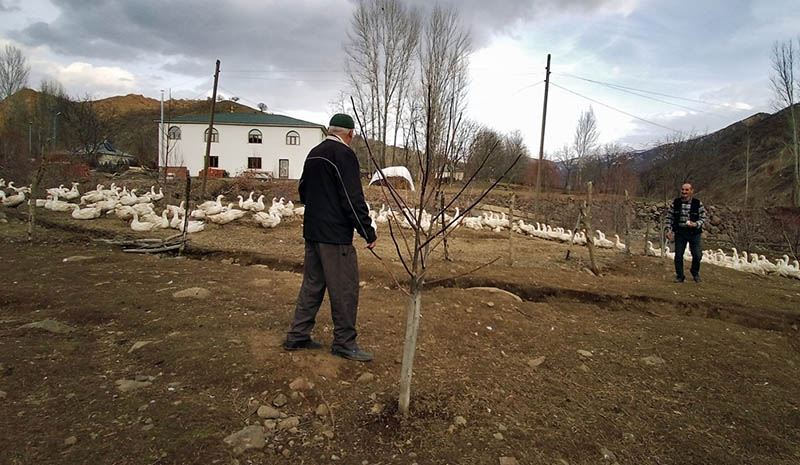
30,138
541,143
210,134
55,121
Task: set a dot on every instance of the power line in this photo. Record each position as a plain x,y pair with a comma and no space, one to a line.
527,87
615,109
621,87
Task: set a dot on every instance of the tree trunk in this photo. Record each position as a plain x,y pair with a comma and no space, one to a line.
511,231
409,346
627,224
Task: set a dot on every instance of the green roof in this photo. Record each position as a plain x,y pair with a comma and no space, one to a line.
250,119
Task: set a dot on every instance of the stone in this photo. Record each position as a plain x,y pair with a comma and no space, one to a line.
127,385
377,408
299,384
322,410
502,427
584,353
583,367
653,360
138,345
77,258
192,293
490,304
52,326
147,427
250,437
460,421
508,461
270,425
362,283
498,436
533,363
289,423
280,400
334,457
265,411
628,437
607,454
366,378
70,441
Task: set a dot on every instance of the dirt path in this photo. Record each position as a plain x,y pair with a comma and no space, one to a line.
625,368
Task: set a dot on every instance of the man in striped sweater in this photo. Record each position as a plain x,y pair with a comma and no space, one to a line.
684,223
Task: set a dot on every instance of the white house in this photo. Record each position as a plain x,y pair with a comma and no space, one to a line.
266,144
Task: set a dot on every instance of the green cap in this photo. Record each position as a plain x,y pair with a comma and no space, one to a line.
343,121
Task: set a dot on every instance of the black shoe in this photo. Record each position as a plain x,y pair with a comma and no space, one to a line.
679,279
306,344
357,354
697,278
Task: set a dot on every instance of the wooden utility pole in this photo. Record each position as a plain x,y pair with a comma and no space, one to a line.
511,231
541,142
210,134
587,221
627,223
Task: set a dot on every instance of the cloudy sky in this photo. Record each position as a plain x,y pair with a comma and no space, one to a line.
684,65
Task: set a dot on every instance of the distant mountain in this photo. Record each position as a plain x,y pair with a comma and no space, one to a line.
715,163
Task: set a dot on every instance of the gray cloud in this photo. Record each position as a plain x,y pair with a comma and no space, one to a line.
9,8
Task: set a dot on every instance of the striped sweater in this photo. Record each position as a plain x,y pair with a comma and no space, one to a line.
683,215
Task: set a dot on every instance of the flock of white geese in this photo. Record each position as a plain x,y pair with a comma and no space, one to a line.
140,210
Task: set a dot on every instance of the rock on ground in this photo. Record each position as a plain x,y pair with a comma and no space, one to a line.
265,411
192,293
127,385
250,437
49,325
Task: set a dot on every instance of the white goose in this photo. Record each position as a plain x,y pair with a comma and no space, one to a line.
246,204
267,220
137,225
14,200
258,206
88,213
73,193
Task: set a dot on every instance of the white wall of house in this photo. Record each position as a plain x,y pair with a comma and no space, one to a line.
234,149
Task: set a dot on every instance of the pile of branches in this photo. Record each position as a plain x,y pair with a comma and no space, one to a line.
175,242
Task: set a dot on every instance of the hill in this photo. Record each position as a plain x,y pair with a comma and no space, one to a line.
716,163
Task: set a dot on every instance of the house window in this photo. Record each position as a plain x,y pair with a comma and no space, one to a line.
214,135
174,133
213,161
254,163
254,136
292,138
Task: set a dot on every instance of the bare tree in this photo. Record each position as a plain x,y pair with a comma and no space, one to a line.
380,49
784,84
13,71
585,139
427,232
569,162
444,58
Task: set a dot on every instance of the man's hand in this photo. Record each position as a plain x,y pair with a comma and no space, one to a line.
371,244
691,224
670,235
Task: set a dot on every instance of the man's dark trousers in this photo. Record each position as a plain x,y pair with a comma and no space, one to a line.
335,267
683,237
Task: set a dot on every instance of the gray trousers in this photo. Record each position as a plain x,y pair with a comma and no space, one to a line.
335,267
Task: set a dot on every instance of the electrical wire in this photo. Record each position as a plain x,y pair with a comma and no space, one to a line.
615,109
621,87
526,87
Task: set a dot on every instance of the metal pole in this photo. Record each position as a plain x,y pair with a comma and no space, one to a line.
541,143
162,156
55,122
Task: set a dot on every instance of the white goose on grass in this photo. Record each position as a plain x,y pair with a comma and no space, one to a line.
211,207
57,205
15,200
88,213
73,193
230,214
191,226
161,221
267,219
139,226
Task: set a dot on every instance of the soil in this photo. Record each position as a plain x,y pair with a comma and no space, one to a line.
626,367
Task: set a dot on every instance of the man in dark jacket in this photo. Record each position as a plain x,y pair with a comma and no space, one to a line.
330,188
684,223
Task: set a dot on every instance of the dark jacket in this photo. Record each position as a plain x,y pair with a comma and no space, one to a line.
330,188
679,212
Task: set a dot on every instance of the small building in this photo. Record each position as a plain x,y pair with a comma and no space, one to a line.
105,152
265,145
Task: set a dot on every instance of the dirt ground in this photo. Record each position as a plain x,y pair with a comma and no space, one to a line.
625,368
